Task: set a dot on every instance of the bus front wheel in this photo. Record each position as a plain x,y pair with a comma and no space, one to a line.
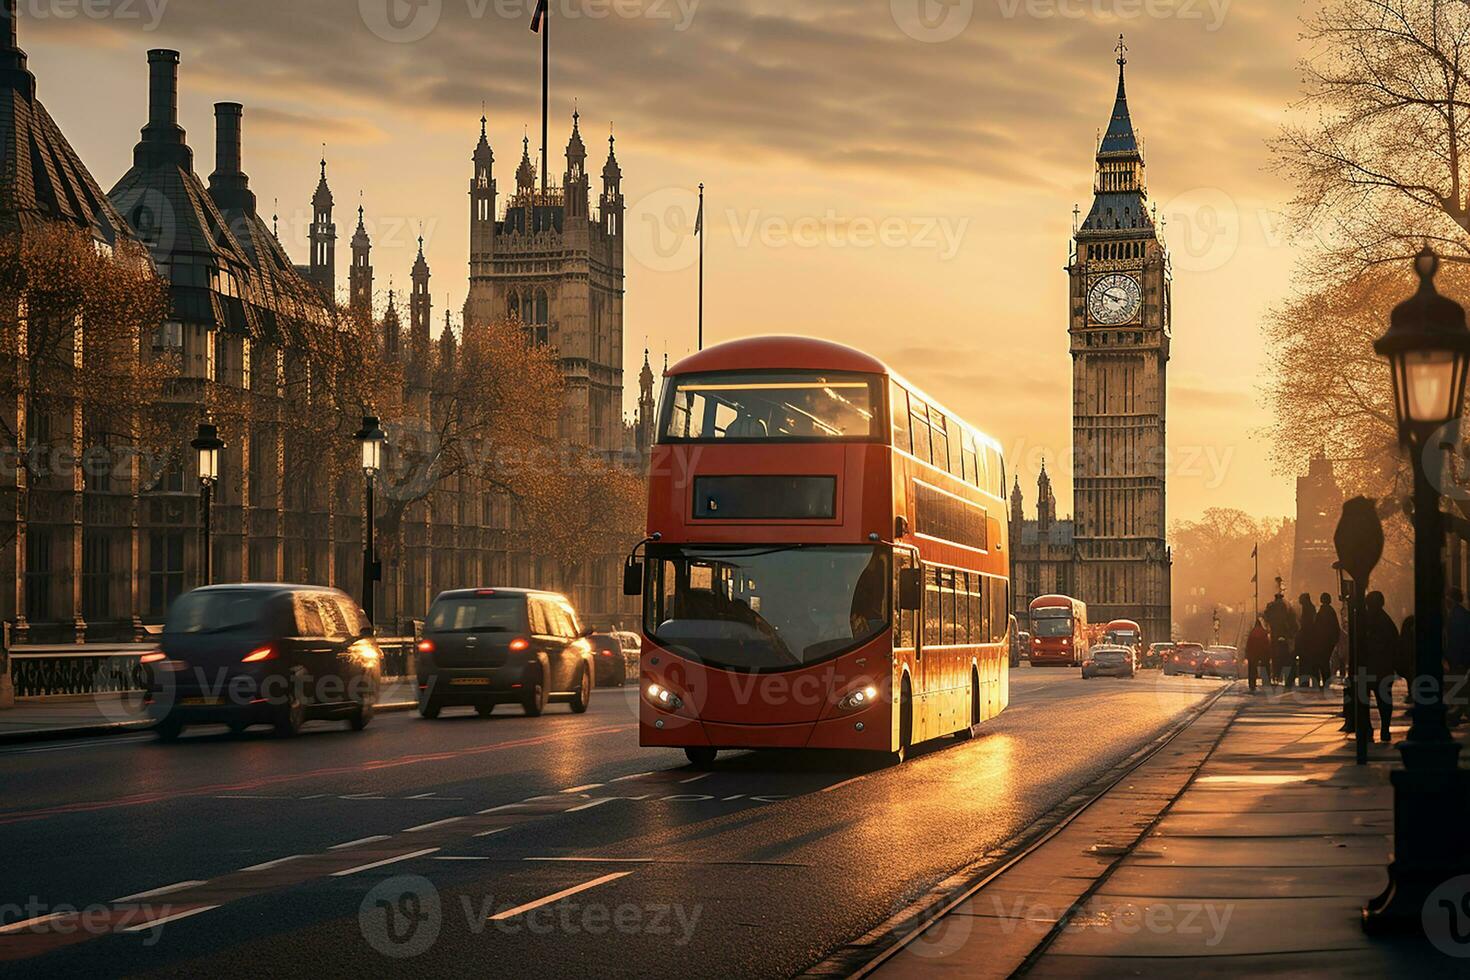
905,724
701,756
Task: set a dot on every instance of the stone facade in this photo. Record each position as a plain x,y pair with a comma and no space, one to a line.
1318,507
97,558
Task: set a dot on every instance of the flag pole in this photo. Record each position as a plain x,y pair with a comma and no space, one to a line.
1256,579
701,265
545,84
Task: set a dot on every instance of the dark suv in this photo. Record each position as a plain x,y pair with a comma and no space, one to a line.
263,654
483,647
607,654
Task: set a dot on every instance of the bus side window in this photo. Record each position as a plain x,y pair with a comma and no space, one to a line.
987,612
967,461
977,582
903,619
933,605
898,409
940,438
919,422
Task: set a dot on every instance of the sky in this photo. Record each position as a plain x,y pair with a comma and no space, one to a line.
898,175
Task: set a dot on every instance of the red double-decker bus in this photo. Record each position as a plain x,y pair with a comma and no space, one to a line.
1059,631
827,560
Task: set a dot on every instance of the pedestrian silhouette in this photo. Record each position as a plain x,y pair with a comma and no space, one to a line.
1326,632
1378,648
1302,653
1281,622
1258,653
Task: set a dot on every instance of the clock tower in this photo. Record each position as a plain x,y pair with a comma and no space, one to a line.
1119,314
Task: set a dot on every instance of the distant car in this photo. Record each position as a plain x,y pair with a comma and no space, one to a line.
1025,644
1109,660
632,649
252,654
1183,659
1155,654
483,647
607,655
1220,661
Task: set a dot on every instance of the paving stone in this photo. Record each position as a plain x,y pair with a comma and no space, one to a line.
1246,824
1135,879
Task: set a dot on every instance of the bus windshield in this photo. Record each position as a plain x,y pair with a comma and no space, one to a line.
766,608
792,405
1051,625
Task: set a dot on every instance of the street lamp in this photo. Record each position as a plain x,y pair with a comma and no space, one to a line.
1428,348
372,439
207,445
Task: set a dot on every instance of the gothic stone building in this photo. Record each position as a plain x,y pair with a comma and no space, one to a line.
1119,325
96,557
1318,507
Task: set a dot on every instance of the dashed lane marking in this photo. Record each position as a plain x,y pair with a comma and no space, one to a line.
28,923
430,826
378,864
588,806
557,896
271,864
582,789
154,892
155,923
492,830
354,843
694,779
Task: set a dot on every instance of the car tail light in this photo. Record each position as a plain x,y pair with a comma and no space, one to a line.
259,654
426,646
484,592
152,658
607,653
519,643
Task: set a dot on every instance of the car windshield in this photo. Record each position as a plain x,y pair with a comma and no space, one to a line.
216,611
766,608
795,405
1052,626
1122,637
478,614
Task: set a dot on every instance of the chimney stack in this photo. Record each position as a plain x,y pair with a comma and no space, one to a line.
228,185
163,139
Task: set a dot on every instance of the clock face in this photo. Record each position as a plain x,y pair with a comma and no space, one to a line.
1114,298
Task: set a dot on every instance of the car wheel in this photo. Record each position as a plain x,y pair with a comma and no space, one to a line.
361,716
583,698
238,727
533,699
428,709
484,710
701,756
291,718
905,724
168,728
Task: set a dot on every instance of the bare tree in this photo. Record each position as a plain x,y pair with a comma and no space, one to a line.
1382,161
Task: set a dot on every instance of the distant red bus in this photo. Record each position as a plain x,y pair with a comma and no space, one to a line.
827,561
1124,633
1059,631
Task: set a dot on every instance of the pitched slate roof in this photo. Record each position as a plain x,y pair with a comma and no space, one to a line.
42,180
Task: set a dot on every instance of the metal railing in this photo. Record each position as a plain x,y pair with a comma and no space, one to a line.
60,669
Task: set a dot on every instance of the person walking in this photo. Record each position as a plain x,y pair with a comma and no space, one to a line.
1301,652
1282,625
1404,662
1456,657
1378,648
1327,632
1258,654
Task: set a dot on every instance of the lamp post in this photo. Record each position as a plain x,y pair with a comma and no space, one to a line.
1428,348
372,439
206,445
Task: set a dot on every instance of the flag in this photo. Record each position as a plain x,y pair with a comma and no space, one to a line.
699,218
538,16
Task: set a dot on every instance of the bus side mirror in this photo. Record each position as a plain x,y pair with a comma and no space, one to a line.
910,589
632,577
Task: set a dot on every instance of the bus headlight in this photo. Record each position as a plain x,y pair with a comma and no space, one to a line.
662,697
860,698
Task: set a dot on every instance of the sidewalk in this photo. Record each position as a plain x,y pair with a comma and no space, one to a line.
83,715
1247,845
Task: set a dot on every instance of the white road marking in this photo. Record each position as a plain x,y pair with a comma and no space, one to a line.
360,840
316,796
459,857
155,923
828,789
271,864
579,789
430,826
26,923
497,809
558,896
378,864
492,830
250,796
177,886
588,806
592,860
92,744
635,775
362,796
694,779
729,798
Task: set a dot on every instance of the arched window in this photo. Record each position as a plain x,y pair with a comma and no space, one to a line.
541,307
513,305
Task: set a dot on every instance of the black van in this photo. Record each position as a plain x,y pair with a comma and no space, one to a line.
251,653
483,647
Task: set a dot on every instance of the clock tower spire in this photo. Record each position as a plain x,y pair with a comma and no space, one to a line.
1120,330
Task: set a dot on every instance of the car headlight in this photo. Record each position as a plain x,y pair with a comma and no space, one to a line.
662,697
860,698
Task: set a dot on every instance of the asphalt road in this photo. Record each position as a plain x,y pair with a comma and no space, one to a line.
442,847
